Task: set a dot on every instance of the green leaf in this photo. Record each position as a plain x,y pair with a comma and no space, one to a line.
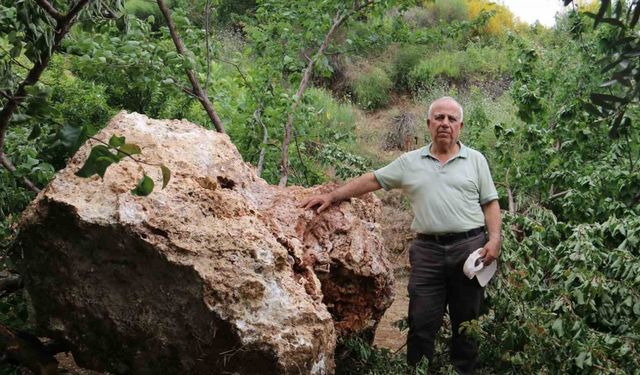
128,149
579,297
166,175
98,161
70,136
557,327
145,186
20,117
35,132
580,359
116,141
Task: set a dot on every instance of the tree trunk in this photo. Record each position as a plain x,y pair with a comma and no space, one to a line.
337,21
202,96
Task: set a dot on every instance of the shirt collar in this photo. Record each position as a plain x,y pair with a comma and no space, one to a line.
463,153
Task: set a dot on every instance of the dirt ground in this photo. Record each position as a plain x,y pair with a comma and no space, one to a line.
67,365
388,335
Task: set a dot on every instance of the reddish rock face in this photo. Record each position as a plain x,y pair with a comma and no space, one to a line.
217,273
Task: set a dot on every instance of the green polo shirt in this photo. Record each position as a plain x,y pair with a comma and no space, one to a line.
445,198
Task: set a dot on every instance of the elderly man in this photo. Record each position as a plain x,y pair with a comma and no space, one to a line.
456,212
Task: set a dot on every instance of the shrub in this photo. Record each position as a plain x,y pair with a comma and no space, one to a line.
228,9
345,164
490,62
328,124
442,64
448,10
330,119
147,11
73,102
76,101
418,17
406,59
501,20
579,315
475,61
373,35
142,9
421,77
371,89
357,357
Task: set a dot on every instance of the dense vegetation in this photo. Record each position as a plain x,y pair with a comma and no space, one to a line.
554,110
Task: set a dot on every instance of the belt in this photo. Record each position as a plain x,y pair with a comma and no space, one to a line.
445,238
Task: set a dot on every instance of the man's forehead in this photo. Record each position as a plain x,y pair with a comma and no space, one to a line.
445,107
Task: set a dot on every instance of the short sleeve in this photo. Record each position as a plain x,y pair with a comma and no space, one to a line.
390,176
487,189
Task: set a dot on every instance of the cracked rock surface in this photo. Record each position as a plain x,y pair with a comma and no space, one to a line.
218,273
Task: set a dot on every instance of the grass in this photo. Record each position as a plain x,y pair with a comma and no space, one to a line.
372,88
474,62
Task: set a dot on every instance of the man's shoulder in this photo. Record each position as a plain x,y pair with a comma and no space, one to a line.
414,155
418,152
473,153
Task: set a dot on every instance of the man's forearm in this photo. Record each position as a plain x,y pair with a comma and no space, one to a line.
361,185
492,220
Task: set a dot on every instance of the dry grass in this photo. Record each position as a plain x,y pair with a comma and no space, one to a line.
373,127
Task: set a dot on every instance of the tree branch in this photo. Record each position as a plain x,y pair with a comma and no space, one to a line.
13,59
68,19
630,151
207,32
560,194
4,160
265,139
197,90
53,12
338,20
512,205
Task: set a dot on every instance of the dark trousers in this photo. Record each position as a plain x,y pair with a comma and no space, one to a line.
437,281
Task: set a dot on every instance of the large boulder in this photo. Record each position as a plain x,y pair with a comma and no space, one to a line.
218,273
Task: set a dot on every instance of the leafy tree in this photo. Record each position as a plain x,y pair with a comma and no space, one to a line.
622,49
501,21
39,29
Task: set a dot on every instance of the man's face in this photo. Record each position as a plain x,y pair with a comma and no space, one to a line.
444,123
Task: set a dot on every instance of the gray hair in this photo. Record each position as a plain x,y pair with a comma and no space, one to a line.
448,98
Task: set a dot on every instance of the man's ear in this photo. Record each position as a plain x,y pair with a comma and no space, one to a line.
428,122
462,125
